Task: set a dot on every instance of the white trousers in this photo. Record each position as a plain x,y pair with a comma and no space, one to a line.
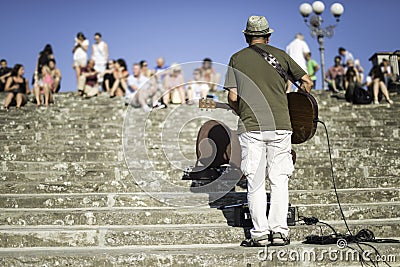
267,153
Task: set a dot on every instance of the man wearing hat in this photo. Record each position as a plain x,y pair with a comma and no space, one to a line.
257,93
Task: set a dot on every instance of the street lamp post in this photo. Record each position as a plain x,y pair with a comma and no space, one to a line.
316,29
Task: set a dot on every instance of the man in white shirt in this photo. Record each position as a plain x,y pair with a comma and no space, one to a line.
345,56
140,89
135,80
297,49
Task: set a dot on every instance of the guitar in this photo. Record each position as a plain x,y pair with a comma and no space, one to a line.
303,111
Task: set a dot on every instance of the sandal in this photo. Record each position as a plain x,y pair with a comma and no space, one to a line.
278,239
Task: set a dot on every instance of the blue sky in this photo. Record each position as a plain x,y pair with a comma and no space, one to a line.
183,31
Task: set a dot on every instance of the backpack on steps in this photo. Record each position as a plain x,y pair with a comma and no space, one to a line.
361,96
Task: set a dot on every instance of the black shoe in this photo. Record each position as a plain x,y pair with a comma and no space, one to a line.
261,241
278,239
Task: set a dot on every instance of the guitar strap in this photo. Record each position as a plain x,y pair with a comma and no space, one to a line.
275,64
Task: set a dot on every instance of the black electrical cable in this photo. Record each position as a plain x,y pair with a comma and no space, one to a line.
333,176
340,206
360,238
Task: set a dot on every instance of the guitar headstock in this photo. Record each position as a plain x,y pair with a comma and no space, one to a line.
207,103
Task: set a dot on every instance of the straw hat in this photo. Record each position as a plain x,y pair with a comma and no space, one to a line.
257,25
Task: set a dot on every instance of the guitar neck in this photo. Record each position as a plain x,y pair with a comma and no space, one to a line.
209,103
222,105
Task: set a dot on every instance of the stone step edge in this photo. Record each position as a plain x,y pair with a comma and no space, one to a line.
166,249
40,228
150,193
186,208
120,162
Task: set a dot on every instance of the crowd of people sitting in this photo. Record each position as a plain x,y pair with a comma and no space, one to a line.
157,87
100,74
45,82
347,75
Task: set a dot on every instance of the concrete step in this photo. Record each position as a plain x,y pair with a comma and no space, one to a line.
366,132
112,186
197,255
69,112
71,167
174,172
10,125
66,156
155,199
82,124
71,154
131,185
157,215
172,234
81,179
347,153
63,136
303,160
61,145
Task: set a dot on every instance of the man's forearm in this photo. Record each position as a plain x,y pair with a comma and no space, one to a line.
234,106
233,100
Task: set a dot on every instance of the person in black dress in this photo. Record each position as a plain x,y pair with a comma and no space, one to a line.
17,88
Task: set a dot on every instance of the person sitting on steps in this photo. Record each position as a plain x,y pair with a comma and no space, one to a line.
335,76
376,79
17,87
88,83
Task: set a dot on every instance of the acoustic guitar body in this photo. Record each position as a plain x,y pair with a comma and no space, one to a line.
303,110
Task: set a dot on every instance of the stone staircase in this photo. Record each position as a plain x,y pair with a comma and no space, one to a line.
94,183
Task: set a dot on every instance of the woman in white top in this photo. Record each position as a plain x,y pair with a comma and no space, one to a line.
80,53
99,54
197,88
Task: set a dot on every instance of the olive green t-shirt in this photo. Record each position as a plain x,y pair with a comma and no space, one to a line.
262,96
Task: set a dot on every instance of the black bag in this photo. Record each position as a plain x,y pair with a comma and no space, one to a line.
361,96
349,95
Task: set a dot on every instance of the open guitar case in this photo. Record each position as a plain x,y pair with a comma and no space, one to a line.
217,148
218,151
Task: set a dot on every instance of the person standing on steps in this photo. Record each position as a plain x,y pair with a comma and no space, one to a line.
297,49
99,55
257,91
312,68
80,54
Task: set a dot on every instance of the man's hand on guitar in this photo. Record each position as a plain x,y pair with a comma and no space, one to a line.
306,83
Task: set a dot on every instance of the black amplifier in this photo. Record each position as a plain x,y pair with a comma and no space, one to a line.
242,217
